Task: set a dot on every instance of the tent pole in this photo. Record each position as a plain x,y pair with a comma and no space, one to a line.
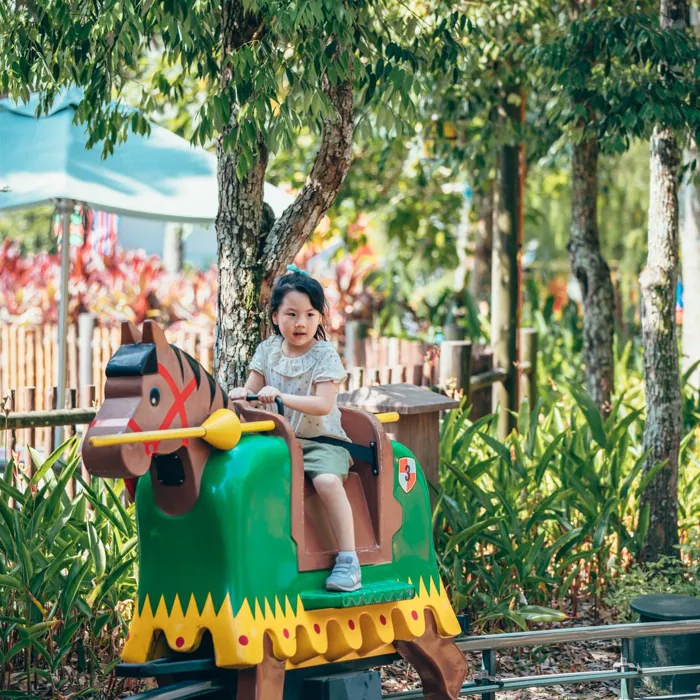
65,207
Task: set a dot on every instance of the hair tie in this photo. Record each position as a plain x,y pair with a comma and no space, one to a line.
296,270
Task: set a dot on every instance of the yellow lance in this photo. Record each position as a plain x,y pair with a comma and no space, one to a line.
222,430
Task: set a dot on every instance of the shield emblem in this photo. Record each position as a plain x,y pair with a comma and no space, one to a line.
407,473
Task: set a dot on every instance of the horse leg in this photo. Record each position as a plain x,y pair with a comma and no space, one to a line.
264,681
440,664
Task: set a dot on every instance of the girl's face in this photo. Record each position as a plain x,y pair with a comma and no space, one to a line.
297,319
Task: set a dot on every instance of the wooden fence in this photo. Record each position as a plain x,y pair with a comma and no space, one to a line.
457,367
29,358
28,363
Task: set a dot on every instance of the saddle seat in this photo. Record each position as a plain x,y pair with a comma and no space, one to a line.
376,513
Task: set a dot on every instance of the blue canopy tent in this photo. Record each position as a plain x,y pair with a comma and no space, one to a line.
161,176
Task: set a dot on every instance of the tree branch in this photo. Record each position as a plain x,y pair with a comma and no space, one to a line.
332,162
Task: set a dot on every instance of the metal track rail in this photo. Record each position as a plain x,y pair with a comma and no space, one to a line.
520,683
578,634
181,691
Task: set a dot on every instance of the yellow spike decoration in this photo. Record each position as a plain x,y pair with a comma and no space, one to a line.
304,638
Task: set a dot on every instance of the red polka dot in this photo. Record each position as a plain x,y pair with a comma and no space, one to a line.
414,615
128,635
382,619
285,633
243,640
317,629
351,625
179,642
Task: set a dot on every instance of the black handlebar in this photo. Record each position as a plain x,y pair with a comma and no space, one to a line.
278,401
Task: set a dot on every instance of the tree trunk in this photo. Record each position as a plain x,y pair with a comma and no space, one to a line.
252,247
241,299
690,250
690,256
662,432
593,274
462,232
481,273
505,290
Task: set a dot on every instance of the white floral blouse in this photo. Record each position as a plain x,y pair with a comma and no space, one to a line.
299,375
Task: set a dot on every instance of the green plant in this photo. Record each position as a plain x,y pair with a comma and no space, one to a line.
66,575
547,515
668,575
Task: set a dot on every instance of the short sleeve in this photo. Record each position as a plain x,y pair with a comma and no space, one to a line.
329,367
258,362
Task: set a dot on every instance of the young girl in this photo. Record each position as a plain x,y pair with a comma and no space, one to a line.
300,366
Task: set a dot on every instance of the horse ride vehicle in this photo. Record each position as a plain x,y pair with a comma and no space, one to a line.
234,545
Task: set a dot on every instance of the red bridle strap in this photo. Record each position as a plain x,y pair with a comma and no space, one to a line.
178,406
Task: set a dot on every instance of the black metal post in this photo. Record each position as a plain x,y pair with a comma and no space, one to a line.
489,665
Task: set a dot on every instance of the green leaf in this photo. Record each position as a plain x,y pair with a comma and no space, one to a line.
75,580
466,534
11,582
591,413
498,447
97,550
105,586
44,466
535,613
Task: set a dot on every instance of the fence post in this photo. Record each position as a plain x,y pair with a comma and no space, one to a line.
12,442
29,434
355,335
50,405
455,367
86,328
489,666
528,353
627,684
88,393
72,485
453,332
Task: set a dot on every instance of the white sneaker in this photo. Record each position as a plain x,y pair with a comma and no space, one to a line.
346,575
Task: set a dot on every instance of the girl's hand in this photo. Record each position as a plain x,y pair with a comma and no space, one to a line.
240,392
268,394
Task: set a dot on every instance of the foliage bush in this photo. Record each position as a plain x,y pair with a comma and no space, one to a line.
668,575
544,516
67,576
551,515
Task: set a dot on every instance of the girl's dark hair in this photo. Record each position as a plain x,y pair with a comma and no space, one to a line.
297,282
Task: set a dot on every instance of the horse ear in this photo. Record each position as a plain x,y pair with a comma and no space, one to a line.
153,333
130,333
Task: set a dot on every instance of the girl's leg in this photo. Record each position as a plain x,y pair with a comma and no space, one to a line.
346,574
330,490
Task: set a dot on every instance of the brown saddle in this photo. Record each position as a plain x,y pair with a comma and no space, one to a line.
376,513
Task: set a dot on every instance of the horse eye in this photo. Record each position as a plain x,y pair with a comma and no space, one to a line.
155,396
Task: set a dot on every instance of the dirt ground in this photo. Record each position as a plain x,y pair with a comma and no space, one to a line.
588,656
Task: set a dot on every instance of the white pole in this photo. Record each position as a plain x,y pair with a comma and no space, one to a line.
65,207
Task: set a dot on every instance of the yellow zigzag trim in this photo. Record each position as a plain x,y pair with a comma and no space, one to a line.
304,638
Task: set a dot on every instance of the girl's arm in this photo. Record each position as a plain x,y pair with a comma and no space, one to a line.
318,405
253,385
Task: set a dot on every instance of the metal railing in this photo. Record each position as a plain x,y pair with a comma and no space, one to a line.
487,685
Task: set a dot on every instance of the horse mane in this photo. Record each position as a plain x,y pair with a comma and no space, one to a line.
140,359
198,371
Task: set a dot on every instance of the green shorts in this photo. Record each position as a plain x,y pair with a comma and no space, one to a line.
325,459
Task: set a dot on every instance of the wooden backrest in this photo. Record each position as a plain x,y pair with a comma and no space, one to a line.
377,514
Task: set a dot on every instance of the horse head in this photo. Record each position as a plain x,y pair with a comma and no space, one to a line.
152,385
